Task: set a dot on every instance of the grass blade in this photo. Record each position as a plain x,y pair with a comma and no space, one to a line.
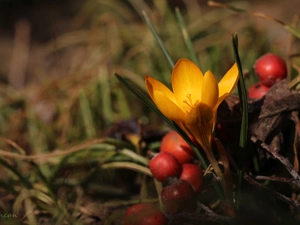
87,116
159,41
186,37
127,165
286,26
26,183
105,93
45,180
244,125
142,95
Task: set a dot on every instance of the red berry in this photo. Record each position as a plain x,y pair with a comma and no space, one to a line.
192,174
179,196
270,68
144,214
257,90
164,165
173,143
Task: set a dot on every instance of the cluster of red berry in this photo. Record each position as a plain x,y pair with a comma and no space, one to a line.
269,68
182,180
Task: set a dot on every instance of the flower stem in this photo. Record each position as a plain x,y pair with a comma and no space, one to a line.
225,180
227,177
211,158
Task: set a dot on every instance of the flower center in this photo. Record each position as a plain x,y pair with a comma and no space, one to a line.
189,102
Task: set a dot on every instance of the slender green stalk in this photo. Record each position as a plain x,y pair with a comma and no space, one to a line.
45,180
243,96
288,27
159,41
23,179
159,187
87,116
135,156
127,165
29,209
186,37
228,189
244,125
104,91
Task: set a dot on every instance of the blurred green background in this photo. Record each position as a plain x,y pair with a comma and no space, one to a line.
58,89
57,57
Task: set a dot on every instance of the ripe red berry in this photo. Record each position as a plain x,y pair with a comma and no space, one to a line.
179,196
144,214
192,174
270,68
173,143
257,90
164,165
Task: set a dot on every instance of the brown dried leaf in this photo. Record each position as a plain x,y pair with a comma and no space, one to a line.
267,115
275,110
230,110
279,99
264,127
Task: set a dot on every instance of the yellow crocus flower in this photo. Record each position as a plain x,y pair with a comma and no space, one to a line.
194,99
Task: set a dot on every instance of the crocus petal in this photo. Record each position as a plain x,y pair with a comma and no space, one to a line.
200,123
186,80
155,85
200,115
215,116
228,82
164,100
210,90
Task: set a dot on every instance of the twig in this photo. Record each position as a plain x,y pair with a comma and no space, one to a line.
278,179
282,197
283,160
207,209
57,152
201,218
214,215
295,118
